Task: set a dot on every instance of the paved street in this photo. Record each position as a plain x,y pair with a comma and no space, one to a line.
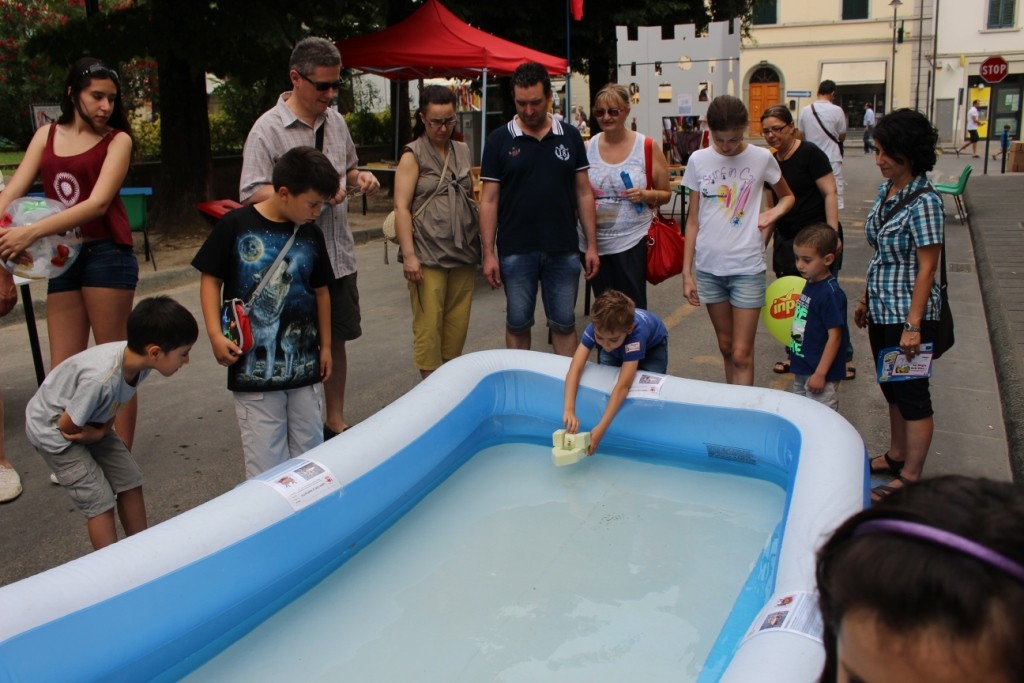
187,440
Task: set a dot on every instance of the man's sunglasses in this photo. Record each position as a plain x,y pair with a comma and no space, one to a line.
100,71
321,86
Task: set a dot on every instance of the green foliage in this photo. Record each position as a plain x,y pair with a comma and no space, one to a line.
147,139
25,78
243,104
368,128
225,136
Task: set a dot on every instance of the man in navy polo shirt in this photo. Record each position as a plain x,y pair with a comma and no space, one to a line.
535,189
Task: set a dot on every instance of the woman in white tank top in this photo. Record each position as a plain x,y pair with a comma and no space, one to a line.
624,213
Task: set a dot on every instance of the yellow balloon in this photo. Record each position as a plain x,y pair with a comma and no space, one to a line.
779,306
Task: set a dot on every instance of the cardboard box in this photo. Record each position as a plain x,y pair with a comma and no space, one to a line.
1015,158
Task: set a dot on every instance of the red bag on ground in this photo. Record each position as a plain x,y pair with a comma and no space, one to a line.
664,240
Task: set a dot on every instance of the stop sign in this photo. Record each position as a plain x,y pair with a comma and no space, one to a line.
994,69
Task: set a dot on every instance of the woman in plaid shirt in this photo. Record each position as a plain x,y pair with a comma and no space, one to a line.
901,302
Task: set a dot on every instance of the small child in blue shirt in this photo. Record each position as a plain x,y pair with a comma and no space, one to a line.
1004,142
819,324
630,338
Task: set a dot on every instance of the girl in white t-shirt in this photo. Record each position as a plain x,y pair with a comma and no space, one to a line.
723,265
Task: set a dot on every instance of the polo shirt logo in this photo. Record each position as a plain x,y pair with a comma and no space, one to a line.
514,152
562,152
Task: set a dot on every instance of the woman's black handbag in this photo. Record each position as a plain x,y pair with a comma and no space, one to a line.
944,336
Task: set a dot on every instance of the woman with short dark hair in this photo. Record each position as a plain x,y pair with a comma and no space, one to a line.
901,301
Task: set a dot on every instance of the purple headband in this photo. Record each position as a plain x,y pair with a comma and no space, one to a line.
946,539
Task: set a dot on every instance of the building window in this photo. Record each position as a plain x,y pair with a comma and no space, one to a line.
1001,13
766,12
855,9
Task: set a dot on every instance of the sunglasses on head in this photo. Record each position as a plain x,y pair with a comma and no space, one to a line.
99,71
613,112
321,86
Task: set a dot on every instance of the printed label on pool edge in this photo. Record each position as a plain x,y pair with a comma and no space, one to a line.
793,612
302,482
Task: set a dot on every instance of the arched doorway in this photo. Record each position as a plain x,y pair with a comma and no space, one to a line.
764,92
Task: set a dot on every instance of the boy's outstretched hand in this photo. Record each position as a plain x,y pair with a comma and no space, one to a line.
570,422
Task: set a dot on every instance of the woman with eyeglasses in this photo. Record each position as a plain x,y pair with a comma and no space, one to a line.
83,160
808,173
438,228
624,210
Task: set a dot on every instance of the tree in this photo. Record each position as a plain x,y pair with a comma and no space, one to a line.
25,79
247,39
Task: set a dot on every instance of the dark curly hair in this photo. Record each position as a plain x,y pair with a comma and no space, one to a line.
529,74
912,586
908,137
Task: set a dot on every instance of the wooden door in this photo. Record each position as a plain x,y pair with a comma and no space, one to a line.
762,96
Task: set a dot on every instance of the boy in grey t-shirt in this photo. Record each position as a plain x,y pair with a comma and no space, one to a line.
70,419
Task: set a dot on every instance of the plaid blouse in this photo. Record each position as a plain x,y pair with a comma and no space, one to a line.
893,268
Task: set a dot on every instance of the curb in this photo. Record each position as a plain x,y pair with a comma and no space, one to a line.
1009,372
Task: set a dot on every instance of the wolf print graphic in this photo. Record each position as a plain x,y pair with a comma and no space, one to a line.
283,315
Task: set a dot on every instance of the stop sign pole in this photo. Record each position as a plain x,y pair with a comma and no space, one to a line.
993,70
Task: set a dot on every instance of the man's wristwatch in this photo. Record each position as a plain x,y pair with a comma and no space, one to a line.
907,327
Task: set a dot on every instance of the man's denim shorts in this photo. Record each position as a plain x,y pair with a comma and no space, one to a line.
742,291
558,274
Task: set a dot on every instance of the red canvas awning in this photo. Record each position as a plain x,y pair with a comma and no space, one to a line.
434,43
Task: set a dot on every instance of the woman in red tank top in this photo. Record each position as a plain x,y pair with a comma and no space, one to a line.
82,161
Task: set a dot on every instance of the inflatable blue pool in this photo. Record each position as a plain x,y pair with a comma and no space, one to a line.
160,604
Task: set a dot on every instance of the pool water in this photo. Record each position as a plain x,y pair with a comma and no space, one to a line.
515,570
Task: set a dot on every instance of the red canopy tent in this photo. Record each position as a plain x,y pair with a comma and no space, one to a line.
434,43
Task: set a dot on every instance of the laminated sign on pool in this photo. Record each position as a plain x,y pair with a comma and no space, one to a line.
436,541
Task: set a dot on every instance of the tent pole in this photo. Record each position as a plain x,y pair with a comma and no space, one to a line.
483,116
397,109
566,114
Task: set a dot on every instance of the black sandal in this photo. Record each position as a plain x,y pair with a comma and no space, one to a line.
880,493
781,367
893,467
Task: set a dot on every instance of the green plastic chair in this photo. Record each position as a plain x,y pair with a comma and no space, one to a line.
956,190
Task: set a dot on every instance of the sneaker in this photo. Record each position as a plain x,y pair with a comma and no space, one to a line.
53,478
10,484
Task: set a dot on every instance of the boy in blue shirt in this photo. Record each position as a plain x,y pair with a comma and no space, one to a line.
630,338
819,323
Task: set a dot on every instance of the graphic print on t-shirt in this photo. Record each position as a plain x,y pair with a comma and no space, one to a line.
283,315
730,189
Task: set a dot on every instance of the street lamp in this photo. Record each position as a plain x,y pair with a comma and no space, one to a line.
895,4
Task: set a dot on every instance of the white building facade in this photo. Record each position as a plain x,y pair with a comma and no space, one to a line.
924,54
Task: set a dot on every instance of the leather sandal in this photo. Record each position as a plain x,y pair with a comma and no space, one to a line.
893,467
880,493
781,367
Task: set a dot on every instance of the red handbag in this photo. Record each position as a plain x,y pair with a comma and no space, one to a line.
665,242
235,323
